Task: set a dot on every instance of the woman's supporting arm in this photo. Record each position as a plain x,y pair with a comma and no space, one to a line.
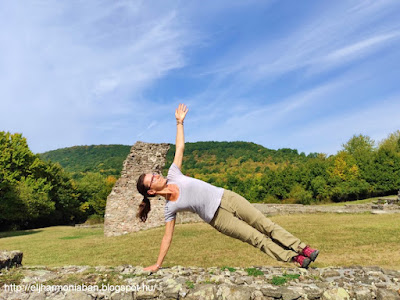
180,115
165,243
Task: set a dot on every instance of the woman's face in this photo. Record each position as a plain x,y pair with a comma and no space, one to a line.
155,181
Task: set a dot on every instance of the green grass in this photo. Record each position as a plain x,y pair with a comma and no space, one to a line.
254,272
228,268
343,240
12,276
279,280
190,284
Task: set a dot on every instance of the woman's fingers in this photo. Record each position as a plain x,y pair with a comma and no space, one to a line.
182,107
181,111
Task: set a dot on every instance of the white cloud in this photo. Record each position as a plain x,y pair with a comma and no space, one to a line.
78,72
360,47
330,30
106,85
67,64
353,52
259,121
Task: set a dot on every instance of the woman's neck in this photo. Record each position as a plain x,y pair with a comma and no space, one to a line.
171,192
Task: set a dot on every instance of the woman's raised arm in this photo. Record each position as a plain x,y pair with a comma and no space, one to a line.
180,114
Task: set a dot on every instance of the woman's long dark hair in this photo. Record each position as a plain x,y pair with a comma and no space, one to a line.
144,206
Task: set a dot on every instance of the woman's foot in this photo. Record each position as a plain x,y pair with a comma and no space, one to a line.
302,261
310,252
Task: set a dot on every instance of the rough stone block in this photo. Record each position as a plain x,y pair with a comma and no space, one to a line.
124,199
10,259
384,294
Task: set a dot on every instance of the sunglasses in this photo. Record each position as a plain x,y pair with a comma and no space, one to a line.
152,179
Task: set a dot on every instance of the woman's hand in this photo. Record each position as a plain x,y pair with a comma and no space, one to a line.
153,268
180,112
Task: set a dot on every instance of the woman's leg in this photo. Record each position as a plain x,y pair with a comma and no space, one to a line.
242,209
226,223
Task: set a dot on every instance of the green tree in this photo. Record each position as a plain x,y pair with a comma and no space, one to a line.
391,143
362,149
300,195
65,195
387,170
23,195
94,189
319,188
359,146
344,179
32,192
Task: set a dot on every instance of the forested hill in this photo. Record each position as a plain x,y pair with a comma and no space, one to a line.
77,160
199,157
239,166
209,160
361,169
36,192
244,151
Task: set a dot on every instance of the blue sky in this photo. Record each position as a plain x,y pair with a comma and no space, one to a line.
299,74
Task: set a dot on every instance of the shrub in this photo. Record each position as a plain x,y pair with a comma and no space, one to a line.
300,195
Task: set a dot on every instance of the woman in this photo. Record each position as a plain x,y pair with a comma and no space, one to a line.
225,210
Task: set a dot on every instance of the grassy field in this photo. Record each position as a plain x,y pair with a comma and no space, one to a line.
344,240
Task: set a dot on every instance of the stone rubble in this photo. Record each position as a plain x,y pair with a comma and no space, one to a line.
360,283
10,259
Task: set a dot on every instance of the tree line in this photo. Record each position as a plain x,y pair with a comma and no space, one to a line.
36,193
359,170
36,190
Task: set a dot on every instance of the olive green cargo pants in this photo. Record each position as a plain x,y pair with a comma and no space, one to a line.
239,219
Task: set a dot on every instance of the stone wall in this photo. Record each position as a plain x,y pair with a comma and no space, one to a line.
287,209
256,283
124,199
283,209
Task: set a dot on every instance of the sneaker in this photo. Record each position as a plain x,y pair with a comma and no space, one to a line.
310,252
302,261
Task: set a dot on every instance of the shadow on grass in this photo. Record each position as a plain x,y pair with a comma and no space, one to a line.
18,233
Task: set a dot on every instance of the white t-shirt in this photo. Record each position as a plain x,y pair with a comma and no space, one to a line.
194,195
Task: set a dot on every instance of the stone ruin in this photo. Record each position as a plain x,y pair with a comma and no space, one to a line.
387,203
124,199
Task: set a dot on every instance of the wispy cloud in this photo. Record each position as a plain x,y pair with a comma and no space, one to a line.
353,52
307,62
263,119
96,72
79,62
307,46
360,47
376,121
